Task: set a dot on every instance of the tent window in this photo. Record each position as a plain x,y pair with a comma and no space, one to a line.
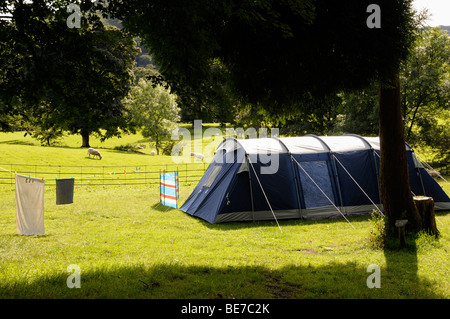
212,176
318,171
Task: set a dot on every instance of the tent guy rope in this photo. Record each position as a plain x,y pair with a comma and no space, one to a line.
322,192
429,167
254,171
358,184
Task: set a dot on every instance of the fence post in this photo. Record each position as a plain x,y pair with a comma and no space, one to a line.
177,185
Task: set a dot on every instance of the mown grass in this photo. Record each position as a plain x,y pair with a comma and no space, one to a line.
129,246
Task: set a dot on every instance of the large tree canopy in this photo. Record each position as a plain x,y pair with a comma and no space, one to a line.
275,52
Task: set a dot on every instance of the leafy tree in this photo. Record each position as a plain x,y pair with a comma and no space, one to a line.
425,96
425,79
435,133
316,116
143,73
320,120
154,110
144,60
68,79
359,112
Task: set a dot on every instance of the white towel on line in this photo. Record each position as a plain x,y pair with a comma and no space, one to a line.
30,205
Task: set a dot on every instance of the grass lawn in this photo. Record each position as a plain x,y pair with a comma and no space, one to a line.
129,246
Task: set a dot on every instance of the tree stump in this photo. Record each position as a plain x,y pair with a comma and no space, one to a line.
425,206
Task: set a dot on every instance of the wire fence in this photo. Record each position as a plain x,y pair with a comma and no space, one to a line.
92,176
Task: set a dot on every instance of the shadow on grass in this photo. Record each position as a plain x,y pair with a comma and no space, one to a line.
402,263
284,222
134,152
161,208
59,146
176,281
16,142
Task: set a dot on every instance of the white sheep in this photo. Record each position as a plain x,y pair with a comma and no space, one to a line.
198,156
153,153
94,153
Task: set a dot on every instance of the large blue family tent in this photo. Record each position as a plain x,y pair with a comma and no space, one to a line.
298,177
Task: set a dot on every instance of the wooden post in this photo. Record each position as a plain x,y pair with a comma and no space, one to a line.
400,224
425,206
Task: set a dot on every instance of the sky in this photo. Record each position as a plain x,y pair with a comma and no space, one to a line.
439,10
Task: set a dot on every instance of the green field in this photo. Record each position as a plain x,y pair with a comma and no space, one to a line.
129,246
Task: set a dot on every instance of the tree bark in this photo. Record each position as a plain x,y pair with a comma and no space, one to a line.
396,195
425,206
85,137
157,144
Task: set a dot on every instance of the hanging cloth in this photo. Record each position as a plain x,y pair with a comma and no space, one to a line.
30,205
64,191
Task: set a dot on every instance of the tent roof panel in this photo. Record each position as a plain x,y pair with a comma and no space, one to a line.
262,145
304,145
374,142
346,143
309,144
229,145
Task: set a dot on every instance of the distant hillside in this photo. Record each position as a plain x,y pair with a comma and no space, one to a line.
143,59
446,28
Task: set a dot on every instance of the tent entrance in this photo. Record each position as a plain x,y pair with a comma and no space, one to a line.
317,169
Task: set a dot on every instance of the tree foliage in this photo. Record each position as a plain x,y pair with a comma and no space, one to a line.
425,81
67,78
153,109
425,97
315,116
272,52
359,112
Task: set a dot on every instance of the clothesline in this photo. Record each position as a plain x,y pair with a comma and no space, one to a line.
82,177
140,172
6,170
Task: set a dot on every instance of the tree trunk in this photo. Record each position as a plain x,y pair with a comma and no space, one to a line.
425,206
413,119
396,195
85,137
